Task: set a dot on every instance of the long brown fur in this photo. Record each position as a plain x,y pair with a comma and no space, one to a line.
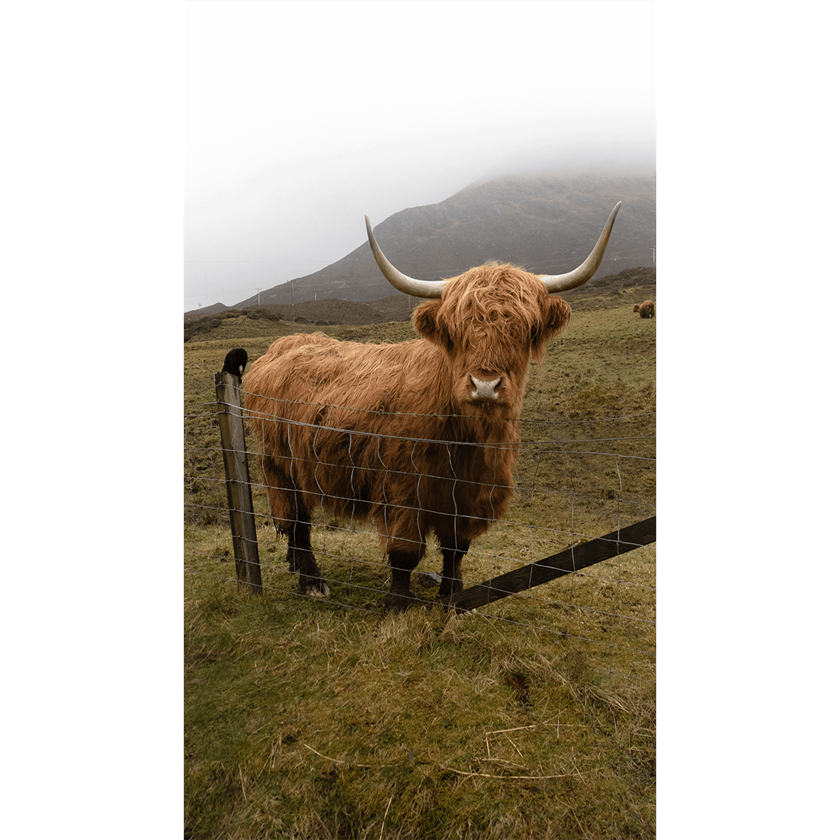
645,310
389,431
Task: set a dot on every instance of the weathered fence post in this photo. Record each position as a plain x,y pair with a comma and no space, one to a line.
550,568
238,482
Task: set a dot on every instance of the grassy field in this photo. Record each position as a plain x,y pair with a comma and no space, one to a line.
534,717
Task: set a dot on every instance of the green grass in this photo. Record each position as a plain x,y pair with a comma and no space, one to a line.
336,723
534,717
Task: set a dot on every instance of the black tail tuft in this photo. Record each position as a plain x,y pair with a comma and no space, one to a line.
235,362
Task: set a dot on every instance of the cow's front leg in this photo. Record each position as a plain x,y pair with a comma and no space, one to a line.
403,563
451,573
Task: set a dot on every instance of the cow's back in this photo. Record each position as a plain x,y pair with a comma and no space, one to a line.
314,368
365,427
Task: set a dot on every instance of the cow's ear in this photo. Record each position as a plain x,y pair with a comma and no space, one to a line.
425,319
556,314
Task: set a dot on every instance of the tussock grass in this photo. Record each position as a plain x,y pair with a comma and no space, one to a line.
534,717
314,721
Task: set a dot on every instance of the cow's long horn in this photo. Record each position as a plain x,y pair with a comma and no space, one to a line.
402,282
555,283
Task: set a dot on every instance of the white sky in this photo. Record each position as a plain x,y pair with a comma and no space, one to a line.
303,116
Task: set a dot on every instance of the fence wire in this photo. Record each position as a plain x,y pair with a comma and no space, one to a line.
574,480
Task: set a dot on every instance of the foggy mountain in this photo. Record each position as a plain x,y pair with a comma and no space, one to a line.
545,224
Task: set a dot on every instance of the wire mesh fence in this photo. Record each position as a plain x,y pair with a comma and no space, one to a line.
574,480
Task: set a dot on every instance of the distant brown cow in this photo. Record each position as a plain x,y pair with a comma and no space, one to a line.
645,309
420,436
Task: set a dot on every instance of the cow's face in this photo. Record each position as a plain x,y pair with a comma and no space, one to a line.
489,322
490,319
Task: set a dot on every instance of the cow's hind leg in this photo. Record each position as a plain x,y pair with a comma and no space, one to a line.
291,518
301,559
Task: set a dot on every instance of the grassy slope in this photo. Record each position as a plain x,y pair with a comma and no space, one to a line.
309,719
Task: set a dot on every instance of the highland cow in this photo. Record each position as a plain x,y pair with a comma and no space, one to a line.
419,436
645,309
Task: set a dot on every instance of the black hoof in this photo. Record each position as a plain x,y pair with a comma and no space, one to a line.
450,587
399,603
314,587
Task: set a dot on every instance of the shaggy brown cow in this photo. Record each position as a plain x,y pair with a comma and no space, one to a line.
420,436
645,309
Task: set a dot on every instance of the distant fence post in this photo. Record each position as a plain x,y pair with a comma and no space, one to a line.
238,482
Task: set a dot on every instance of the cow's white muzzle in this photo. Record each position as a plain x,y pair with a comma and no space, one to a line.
485,389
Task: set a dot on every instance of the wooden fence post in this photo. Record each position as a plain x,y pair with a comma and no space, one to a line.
550,568
238,482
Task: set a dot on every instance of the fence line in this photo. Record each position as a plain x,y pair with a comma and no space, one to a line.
550,568
563,490
534,450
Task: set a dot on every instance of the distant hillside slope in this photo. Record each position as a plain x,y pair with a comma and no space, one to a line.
213,309
546,224
633,285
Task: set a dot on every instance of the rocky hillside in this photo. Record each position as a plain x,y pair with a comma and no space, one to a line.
546,224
